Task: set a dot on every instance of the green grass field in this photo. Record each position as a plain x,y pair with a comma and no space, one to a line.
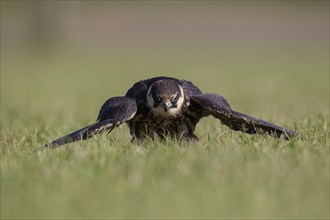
226,174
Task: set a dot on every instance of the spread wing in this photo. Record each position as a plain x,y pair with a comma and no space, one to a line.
217,106
114,112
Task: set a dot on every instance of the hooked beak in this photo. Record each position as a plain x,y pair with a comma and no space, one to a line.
166,106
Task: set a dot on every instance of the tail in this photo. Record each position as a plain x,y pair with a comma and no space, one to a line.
251,125
82,134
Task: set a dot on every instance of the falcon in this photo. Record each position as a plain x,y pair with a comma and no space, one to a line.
168,108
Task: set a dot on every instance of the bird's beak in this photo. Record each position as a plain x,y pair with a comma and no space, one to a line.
166,106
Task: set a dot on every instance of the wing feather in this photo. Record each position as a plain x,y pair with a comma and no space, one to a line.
114,112
217,106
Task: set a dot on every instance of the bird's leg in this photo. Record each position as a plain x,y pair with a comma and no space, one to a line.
185,132
192,137
143,134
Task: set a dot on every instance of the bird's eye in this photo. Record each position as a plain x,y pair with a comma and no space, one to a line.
158,98
175,98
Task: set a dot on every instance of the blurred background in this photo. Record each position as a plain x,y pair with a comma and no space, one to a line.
64,57
60,60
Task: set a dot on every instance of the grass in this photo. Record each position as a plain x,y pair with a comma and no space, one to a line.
226,174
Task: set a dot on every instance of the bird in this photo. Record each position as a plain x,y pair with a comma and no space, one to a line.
168,108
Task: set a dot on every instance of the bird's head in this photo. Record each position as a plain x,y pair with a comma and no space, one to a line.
165,97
